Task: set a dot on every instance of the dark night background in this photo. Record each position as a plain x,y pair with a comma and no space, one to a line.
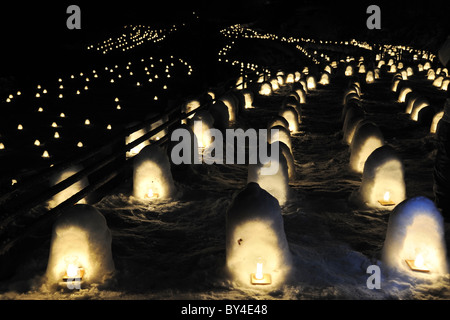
35,38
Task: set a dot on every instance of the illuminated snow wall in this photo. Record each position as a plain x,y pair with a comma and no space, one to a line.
81,236
255,232
416,230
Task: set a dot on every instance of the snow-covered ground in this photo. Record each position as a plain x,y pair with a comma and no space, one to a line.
176,249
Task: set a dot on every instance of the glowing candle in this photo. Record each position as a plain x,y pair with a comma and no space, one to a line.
72,270
418,264
386,199
259,274
260,278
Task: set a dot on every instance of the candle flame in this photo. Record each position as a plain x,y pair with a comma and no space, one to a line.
259,273
386,196
419,262
72,270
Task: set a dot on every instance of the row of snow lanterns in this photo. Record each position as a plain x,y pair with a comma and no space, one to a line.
287,121
307,81
408,245
364,138
416,103
86,79
428,245
129,40
238,31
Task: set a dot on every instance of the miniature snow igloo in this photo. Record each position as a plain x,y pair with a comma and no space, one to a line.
383,184
415,243
152,178
265,89
257,251
272,174
201,124
80,250
70,191
292,117
366,139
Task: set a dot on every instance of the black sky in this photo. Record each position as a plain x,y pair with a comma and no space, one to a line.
38,29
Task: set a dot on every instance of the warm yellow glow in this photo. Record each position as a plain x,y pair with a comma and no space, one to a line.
45,154
19,127
151,194
2,146
56,136
80,144
348,71
109,127
72,271
265,89
40,109
259,271
419,262
37,143
386,196
87,122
